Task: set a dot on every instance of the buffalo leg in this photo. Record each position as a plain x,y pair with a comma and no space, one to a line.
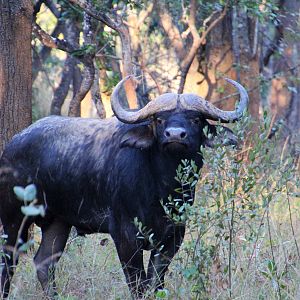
132,263
54,238
131,258
160,261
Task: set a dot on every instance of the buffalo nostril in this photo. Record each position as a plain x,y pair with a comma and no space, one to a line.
183,135
167,133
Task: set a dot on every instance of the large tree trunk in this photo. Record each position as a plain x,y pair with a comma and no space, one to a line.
15,67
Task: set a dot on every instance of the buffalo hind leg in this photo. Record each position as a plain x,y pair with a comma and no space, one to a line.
54,238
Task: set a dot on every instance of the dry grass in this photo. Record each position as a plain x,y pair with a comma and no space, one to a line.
90,270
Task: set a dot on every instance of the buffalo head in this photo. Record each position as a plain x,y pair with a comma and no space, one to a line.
175,122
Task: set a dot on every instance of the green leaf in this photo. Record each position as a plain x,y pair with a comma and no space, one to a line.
162,294
19,191
271,266
30,192
87,49
33,210
42,210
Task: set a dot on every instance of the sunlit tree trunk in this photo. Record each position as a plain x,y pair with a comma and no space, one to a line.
232,51
15,67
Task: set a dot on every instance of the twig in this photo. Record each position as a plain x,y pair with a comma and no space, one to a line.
284,148
231,232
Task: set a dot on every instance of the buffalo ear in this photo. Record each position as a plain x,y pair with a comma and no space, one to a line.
219,135
140,137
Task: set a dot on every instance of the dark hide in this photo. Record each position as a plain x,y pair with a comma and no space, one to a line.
98,175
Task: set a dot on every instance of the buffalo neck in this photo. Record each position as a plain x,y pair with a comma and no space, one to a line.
164,166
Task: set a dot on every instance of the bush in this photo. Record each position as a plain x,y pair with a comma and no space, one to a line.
241,238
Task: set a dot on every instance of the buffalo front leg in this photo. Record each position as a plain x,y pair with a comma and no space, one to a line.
160,260
131,258
54,238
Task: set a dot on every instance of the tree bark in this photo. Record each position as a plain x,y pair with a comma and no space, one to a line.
71,32
88,70
118,25
284,94
15,67
231,52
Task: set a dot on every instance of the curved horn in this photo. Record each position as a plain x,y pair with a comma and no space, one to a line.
194,102
162,103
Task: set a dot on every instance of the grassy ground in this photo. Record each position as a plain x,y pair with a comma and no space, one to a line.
89,269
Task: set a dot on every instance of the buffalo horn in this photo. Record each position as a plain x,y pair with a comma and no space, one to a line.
211,112
169,101
164,102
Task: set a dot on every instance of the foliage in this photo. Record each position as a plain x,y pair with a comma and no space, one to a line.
86,49
229,227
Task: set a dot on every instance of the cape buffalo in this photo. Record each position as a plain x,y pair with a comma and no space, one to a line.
99,175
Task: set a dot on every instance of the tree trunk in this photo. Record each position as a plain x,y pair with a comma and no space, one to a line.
15,67
284,95
231,51
290,20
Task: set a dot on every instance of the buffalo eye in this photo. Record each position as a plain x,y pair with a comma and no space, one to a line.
159,121
196,121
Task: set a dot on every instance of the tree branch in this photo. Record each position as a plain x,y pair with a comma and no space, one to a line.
89,70
53,8
144,14
40,57
61,91
98,15
118,25
96,96
235,43
50,41
197,40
